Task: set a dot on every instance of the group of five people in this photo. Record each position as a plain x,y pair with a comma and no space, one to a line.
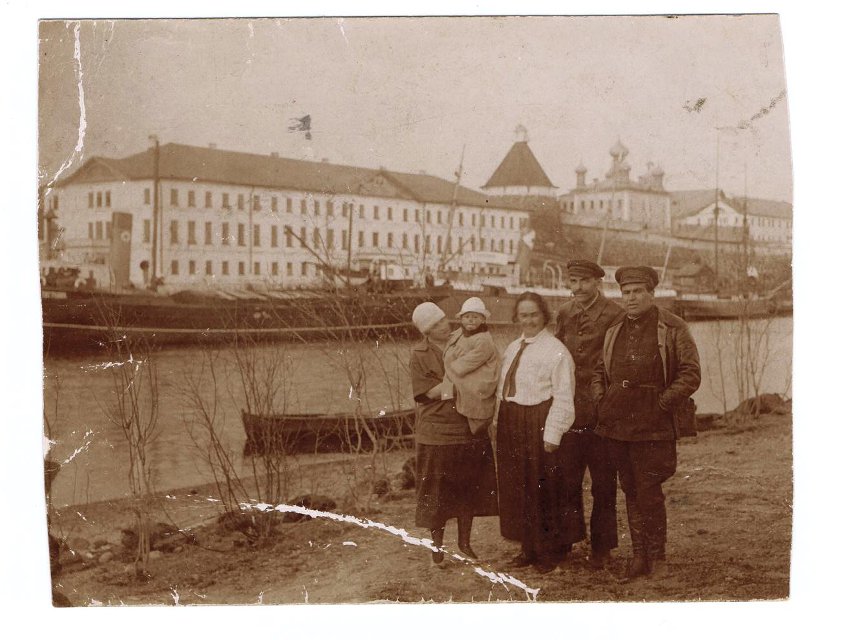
600,387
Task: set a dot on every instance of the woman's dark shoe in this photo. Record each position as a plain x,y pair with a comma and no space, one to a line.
437,559
545,566
521,560
465,548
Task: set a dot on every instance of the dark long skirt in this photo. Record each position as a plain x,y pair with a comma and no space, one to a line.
454,480
532,508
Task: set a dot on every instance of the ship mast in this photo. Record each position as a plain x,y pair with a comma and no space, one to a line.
155,207
445,258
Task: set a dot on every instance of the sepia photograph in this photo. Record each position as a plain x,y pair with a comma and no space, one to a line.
291,270
415,309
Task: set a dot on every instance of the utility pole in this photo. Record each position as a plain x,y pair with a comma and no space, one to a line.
716,222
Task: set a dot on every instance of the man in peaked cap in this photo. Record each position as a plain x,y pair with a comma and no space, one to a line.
648,369
581,326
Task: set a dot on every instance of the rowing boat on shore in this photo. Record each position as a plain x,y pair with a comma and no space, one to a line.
324,433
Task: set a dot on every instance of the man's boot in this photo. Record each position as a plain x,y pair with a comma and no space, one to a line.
656,553
638,565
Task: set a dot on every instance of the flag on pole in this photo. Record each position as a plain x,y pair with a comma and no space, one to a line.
301,124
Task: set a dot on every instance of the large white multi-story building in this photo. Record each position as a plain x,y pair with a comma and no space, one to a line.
233,218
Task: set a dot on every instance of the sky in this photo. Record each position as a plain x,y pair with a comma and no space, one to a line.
410,94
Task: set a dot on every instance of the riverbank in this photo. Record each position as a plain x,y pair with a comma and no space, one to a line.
730,525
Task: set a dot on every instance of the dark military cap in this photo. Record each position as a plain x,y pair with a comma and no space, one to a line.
584,269
637,275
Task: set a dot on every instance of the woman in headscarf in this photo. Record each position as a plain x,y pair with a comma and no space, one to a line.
536,408
454,467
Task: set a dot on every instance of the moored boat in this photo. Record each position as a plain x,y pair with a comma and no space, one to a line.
324,433
709,306
82,320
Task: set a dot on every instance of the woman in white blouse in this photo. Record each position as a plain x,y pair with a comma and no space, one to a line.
536,408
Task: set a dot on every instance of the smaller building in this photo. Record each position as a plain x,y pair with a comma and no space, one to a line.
696,213
643,202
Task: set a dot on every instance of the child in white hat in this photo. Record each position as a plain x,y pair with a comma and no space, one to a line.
472,363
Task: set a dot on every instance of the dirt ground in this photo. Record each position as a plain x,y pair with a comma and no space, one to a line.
730,525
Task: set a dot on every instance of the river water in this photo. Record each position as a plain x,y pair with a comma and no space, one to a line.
80,394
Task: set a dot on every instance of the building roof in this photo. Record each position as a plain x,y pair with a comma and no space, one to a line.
687,203
520,168
208,164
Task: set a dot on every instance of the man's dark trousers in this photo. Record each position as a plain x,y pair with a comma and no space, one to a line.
580,450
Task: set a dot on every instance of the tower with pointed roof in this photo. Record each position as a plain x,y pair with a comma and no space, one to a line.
520,173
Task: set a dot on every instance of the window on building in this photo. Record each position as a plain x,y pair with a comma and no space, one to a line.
438,216
208,233
289,205
461,219
257,268
191,267
226,201
241,202
191,198
256,236
303,207
344,238
147,196
427,244
405,242
303,237
274,239
416,241
303,268
90,200
428,217
389,240
208,199
174,197
191,232
362,211
329,208
375,239
317,239
329,238
417,215
241,234
406,215
376,213
241,268
226,234
316,207
482,244
351,210
274,268
274,204
99,199
107,198
289,268
225,271
255,203
147,231
493,220
208,268
174,267
91,230
173,231
511,246
389,213
473,219
438,244
361,240
288,234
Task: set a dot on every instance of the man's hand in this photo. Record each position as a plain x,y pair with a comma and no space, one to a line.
550,448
